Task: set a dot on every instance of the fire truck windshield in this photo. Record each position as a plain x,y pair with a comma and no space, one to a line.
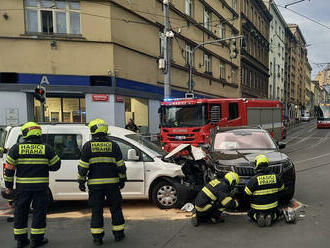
184,116
323,111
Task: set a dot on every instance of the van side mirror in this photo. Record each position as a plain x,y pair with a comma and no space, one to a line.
215,114
131,155
281,145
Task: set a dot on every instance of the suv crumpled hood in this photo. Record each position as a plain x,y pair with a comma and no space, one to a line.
242,157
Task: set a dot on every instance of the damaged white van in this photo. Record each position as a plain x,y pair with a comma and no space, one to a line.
149,176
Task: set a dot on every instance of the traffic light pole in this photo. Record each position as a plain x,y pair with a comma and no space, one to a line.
191,86
42,112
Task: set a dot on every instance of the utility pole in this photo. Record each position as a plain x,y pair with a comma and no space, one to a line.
167,35
274,79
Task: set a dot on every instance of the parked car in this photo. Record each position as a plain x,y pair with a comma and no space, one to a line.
149,176
235,150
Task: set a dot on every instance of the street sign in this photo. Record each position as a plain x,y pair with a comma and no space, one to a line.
100,98
120,99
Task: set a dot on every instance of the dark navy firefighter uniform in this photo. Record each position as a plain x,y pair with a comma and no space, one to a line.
264,191
213,199
32,161
101,161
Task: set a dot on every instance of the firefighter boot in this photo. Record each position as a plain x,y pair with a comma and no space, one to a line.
38,243
194,220
98,241
119,235
261,220
23,243
217,219
268,220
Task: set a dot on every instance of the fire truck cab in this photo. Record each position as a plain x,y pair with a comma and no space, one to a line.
191,120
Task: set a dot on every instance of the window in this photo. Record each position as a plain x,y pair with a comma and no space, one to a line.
67,146
50,16
221,31
58,109
234,4
207,63
189,55
222,70
233,110
124,147
189,7
233,75
207,19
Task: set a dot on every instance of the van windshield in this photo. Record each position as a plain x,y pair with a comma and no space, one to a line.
157,151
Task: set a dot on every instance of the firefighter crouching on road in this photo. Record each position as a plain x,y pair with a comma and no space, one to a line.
102,162
263,191
32,161
214,198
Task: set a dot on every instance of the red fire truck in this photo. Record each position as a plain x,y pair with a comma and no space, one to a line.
191,120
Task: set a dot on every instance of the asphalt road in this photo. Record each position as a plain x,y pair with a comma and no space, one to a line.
68,223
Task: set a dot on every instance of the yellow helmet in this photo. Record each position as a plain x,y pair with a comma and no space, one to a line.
31,129
232,178
261,162
98,126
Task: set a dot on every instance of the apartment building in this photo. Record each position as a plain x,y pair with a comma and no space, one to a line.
323,76
255,26
276,53
101,58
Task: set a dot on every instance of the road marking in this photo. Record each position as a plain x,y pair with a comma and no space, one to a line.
320,156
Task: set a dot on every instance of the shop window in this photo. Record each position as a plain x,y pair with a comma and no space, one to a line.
50,16
56,109
138,110
233,110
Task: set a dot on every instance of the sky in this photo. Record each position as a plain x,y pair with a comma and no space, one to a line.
316,36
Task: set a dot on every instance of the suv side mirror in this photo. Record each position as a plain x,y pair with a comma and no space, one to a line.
281,145
131,155
215,114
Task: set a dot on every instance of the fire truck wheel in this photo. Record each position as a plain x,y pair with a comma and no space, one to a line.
165,195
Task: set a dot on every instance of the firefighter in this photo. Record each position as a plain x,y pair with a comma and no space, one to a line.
102,164
32,160
263,190
214,198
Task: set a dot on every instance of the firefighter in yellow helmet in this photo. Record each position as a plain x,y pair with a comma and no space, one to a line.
214,198
32,160
103,167
264,190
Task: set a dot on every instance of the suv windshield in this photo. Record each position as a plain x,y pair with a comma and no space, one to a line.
243,140
184,116
157,151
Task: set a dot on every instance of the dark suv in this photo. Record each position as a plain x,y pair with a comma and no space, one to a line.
235,150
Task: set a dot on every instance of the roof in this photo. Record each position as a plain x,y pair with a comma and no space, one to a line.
295,27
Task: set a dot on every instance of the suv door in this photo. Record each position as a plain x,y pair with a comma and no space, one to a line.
135,170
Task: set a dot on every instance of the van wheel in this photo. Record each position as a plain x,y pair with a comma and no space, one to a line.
165,195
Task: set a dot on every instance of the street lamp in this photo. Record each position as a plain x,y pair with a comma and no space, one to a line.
190,83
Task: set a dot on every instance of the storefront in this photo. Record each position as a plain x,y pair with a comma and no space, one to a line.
78,99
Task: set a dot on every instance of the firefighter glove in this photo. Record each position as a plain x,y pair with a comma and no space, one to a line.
82,186
121,184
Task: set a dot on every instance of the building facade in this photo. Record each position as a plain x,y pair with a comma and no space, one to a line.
276,53
102,58
324,76
255,23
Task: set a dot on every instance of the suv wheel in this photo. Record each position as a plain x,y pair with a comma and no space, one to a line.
288,195
165,195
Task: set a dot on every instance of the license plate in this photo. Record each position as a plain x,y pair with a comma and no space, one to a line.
180,137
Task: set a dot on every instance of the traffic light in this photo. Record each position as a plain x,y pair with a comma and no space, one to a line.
40,94
233,49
